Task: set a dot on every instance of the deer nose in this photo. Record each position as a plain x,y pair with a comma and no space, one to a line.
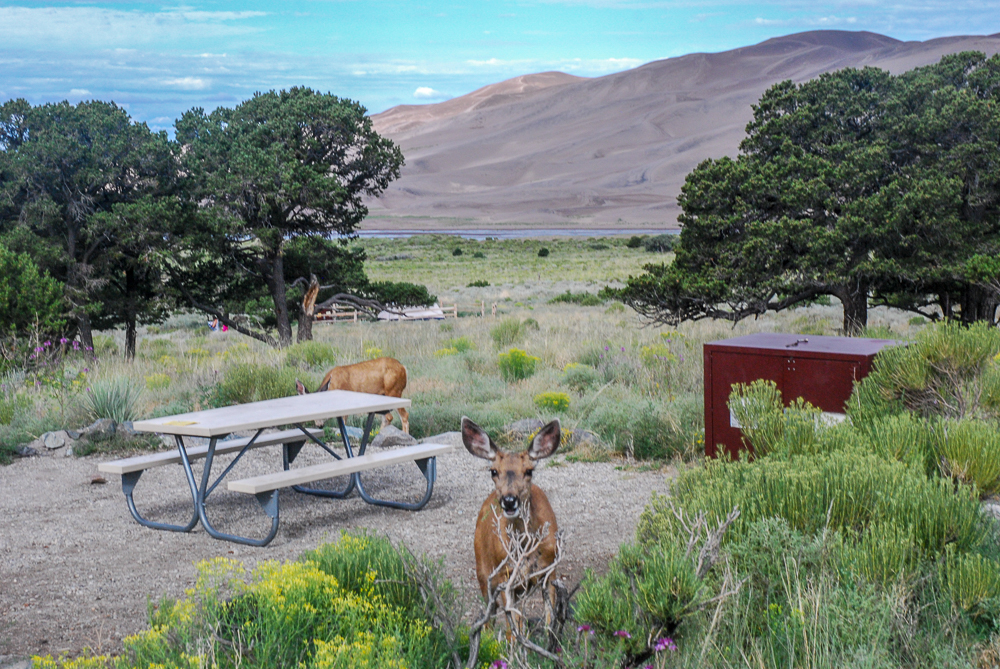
509,503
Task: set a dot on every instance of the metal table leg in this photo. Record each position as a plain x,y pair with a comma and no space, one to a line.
268,501
291,451
128,485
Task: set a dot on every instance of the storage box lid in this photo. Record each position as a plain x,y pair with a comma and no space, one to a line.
779,343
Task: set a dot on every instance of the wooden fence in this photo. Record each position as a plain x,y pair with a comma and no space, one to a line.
450,311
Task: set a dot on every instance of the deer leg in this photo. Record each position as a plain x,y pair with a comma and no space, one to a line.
404,418
386,419
550,615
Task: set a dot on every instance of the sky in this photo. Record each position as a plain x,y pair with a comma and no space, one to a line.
158,60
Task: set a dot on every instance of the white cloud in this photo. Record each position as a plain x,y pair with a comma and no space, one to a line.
78,92
188,83
428,93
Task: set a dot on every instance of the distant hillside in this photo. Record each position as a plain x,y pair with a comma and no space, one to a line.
557,149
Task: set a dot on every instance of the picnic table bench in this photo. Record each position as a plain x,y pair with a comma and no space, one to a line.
260,416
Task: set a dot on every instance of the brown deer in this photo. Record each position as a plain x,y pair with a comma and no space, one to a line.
514,507
381,376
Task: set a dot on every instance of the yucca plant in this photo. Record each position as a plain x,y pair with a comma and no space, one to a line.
969,452
972,580
116,398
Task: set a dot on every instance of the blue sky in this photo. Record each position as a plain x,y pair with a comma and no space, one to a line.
157,60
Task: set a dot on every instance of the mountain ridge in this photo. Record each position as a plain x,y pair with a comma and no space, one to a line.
557,149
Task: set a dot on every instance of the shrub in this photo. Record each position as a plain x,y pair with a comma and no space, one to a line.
250,382
543,252
515,364
579,377
858,490
768,425
882,554
948,370
972,581
460,344
642,429
635,241
311,354
478,254
104,346
11,406
157,381
399,293
531,324
553,401
29,297
372,352
457,252
116,399
661,243
507,332
445,352
969,452
479,283
584,299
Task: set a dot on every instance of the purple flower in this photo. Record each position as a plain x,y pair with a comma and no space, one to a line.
623,634
498,664
606,348
585,628
39,349
681,358
665,643
86,369
89,348
76,345
47,344
623,349
64,341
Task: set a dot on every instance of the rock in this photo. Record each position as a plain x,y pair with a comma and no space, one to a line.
26,451
524,427
58,439
100,429
125,429
354,432
390,436
992,508
446,438
577,437
74,434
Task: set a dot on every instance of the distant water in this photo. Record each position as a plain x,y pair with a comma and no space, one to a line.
520,233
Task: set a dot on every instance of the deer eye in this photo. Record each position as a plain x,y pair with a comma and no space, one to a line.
529,472
493,473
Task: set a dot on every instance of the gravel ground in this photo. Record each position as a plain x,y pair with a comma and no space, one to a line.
77,571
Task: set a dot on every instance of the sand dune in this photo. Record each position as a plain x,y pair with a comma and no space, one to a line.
557,149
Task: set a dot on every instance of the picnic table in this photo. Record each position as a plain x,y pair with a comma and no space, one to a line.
296,411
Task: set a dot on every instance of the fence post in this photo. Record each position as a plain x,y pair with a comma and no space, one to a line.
494,310
482,308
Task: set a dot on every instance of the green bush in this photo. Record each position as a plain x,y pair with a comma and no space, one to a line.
584,299
643,429
635,241
661,243
579,377
515,364
104,346
250,382
507,332
531,324
308,354
858,490
972,581
478,254
543,252
457,252
479,283
399,293
29,297
969,452
882,554
552,401
768,425
116,399
460,344
948,370
157,381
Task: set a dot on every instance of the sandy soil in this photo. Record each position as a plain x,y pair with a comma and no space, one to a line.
77,571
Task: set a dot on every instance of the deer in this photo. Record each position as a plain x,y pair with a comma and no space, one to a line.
515,507
381,376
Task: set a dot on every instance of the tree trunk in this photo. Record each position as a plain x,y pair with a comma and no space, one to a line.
854,298
978,304
275,273
130,317
308,310
86,333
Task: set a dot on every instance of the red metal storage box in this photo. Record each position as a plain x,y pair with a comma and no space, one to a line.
822,370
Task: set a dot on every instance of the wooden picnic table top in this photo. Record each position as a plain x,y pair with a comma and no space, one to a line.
270,413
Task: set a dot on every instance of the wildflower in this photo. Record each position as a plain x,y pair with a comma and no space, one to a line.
665,643
623,634
498,664
88,348
606,348
585,628
623,349
39,349
76,345
64,341
47,344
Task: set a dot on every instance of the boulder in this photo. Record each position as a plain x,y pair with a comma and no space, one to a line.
524,427
125,429
100,429
390,436
446,438
57,439
26,451
577,437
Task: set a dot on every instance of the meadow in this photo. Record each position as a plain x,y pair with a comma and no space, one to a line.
857,546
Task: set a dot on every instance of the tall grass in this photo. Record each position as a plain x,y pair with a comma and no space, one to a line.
115,398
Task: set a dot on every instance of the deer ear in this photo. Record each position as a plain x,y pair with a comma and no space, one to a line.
325,387
477,441
546,441
299,388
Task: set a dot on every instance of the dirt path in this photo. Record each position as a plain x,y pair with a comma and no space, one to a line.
76,571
